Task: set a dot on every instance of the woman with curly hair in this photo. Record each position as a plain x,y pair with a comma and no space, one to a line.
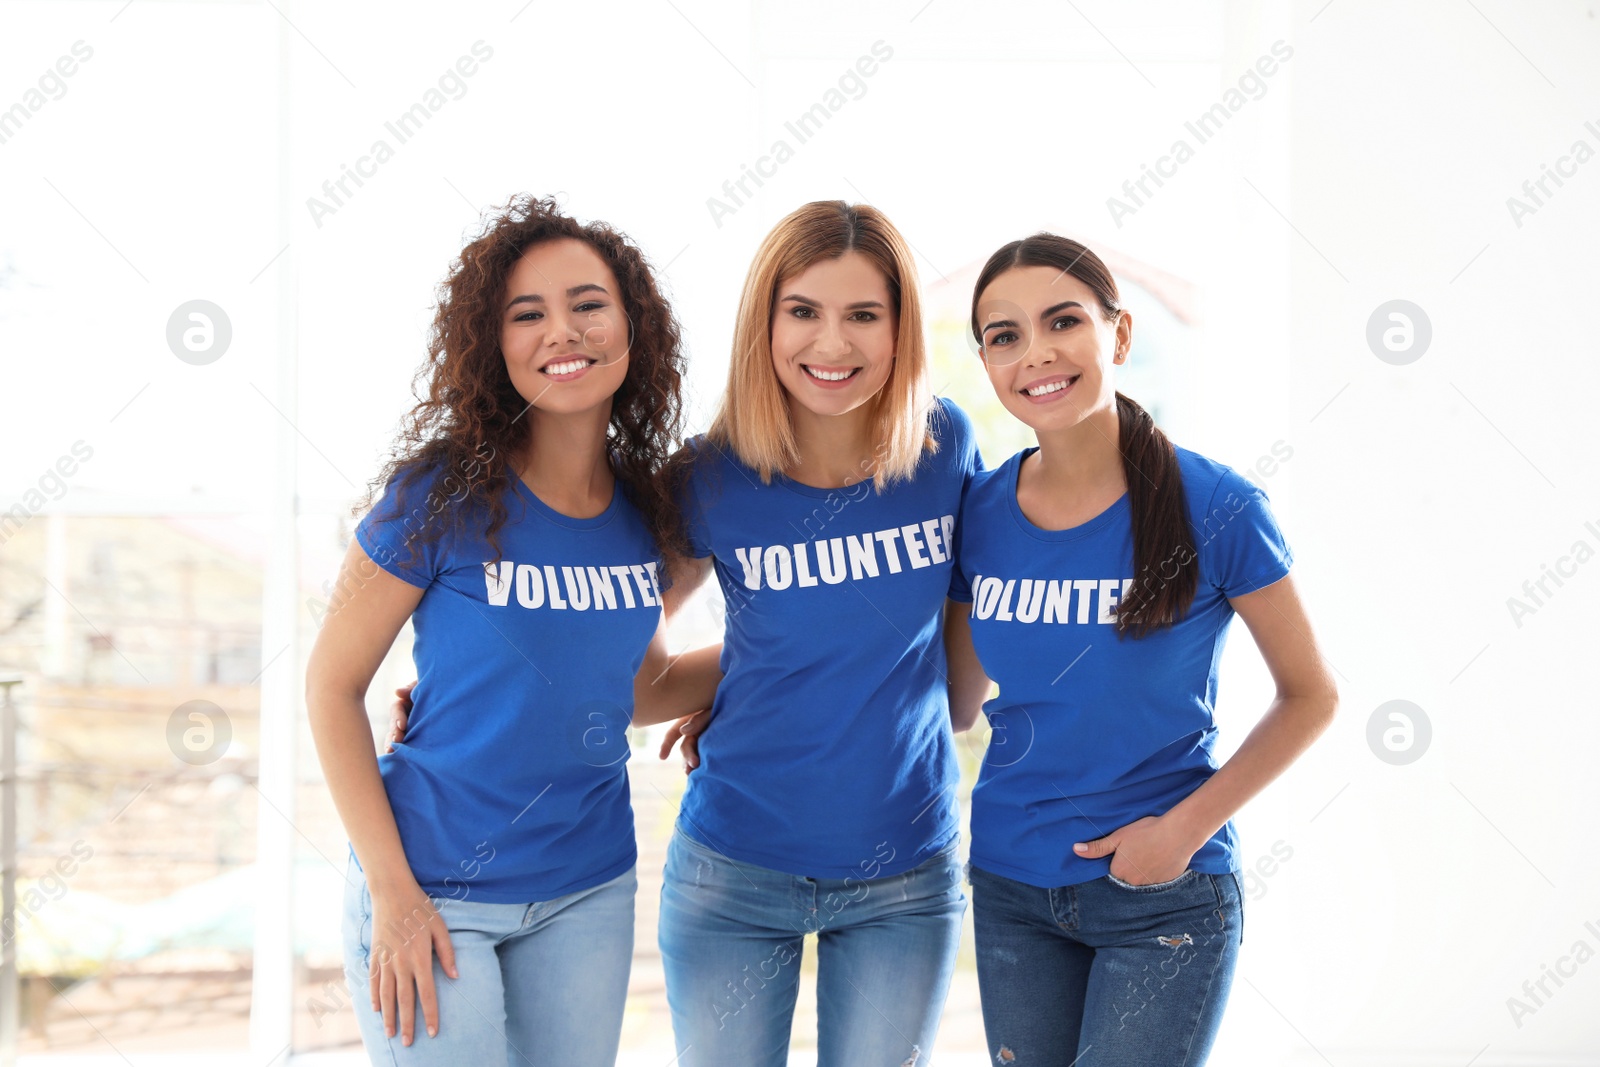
521,521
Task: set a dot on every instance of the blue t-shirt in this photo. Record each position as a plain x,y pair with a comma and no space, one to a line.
829,753
1093,731
511,785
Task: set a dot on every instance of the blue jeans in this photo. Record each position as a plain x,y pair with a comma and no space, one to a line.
540,983
731,938
1103,973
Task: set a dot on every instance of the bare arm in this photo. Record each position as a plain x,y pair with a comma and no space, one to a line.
969,686
667,686
1302,709
1158,848
371,607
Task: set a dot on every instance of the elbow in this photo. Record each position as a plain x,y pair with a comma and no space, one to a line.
1319,707
648,707
1330,704
324,694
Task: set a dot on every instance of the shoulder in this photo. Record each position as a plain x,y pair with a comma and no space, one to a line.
702,461
1209,484
409,487
948,423
1221,500
700,456
991,485
700,470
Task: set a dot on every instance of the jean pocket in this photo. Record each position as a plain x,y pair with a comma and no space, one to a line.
691,863
1153,887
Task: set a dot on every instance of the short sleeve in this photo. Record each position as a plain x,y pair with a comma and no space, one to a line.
960,588
392,532
958,436
1241,545
695,528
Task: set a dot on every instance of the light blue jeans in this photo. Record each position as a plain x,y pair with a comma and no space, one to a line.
541,983
731,936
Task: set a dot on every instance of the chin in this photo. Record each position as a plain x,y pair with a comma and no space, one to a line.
1038,420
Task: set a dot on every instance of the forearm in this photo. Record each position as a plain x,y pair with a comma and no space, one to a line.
1288,728
969,688
687,684
969,685
350,765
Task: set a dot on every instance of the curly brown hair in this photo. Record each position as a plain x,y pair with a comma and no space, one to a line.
469,420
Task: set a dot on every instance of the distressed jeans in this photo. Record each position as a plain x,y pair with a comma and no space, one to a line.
541,983
731,939
1104,973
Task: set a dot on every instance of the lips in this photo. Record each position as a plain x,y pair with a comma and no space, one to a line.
566,368
829,377
1048,389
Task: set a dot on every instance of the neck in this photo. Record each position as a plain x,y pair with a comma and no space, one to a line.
564,461
835,450
1081,458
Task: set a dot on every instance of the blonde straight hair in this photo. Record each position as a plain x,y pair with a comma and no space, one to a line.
753,419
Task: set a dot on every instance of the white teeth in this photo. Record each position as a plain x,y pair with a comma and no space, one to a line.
829,376
566,367
1052,387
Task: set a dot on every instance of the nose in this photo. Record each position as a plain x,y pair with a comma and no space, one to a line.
1040,351
562,328
830,341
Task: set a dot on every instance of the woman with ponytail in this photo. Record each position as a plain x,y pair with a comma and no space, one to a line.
1103,568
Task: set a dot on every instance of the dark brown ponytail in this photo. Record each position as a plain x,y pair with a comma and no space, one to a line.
1166,570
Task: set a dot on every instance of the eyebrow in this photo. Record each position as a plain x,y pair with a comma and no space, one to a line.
1045,314
808,302
535,298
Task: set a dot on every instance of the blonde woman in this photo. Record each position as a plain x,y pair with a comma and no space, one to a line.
824,497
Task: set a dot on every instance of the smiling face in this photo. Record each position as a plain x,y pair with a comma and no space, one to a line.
1048,347
563,330
833,334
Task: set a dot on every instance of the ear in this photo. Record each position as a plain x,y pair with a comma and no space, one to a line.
1124,336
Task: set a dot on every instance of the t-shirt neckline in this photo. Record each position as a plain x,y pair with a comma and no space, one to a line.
1013,469
787,482
571,522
